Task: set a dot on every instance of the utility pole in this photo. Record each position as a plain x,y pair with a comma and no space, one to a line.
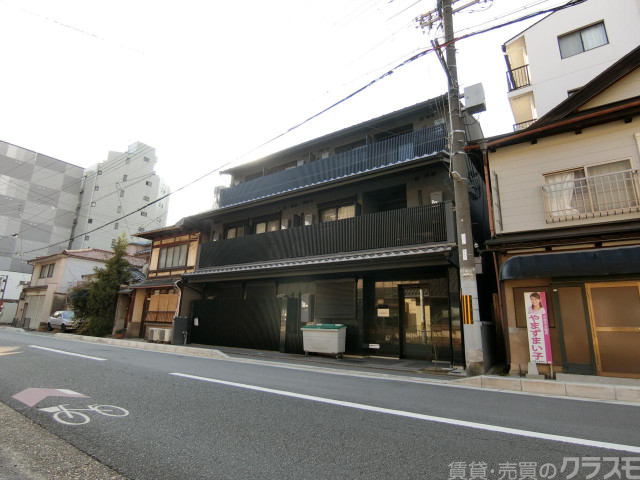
468,285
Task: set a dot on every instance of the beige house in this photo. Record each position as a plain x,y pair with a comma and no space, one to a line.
565,200
146,309
52,277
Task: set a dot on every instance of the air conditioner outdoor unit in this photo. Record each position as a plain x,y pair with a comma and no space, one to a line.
168,335
162,334
153,334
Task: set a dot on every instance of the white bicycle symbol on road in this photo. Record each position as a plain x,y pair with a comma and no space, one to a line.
74,416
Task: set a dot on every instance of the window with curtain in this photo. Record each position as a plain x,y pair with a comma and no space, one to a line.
582,40
234,232
610,187
565,193
267,226
171,257
332,214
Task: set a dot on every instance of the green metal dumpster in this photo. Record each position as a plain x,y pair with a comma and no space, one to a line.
324,338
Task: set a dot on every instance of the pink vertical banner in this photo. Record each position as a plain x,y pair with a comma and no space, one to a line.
538,327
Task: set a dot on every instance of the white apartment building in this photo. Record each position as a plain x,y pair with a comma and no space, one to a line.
554,57
122,184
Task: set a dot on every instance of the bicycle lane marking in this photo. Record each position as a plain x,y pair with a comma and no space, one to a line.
62,413
89,357
9,351
32,396
74,416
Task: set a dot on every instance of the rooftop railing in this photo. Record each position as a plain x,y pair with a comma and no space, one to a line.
395,150
523,125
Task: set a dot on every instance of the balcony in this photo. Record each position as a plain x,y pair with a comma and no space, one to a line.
518,78
523,125
395,228
592,196
392,151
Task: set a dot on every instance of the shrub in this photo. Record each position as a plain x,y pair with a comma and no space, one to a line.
97,302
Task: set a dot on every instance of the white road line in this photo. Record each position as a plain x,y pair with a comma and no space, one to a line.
429,418
69,353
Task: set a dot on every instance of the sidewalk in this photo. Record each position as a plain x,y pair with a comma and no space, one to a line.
569,386
30,451
588,387
409,368
404,366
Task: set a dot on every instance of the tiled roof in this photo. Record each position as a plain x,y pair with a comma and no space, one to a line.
171,228
325,260
156,282
103,256
137,276
94,254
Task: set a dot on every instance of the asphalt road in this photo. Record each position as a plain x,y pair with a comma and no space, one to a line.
203,418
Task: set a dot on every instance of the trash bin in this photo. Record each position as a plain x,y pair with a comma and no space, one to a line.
181,331
324,338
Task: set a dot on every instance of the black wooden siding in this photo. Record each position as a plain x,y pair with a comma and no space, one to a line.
395,228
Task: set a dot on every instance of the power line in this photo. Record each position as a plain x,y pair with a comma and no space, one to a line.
118,163
344,84
71,27
571,3
344,99
404,9
134,211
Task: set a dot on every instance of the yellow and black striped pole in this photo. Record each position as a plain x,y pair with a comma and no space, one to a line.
467,310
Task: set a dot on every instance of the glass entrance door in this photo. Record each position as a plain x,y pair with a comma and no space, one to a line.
425,325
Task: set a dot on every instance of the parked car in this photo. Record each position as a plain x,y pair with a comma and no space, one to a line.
63,319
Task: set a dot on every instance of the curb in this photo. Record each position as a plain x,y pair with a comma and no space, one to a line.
217,354
156,347
571,390
321,364
621,393
13,329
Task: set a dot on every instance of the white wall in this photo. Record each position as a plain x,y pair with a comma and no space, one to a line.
13,288
12,293
520,168
107,198
551,76
75,268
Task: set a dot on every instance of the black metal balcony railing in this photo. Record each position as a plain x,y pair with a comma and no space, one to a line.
518,78
396,228
402,148
523,125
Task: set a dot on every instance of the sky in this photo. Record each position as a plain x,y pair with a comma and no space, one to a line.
206,82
